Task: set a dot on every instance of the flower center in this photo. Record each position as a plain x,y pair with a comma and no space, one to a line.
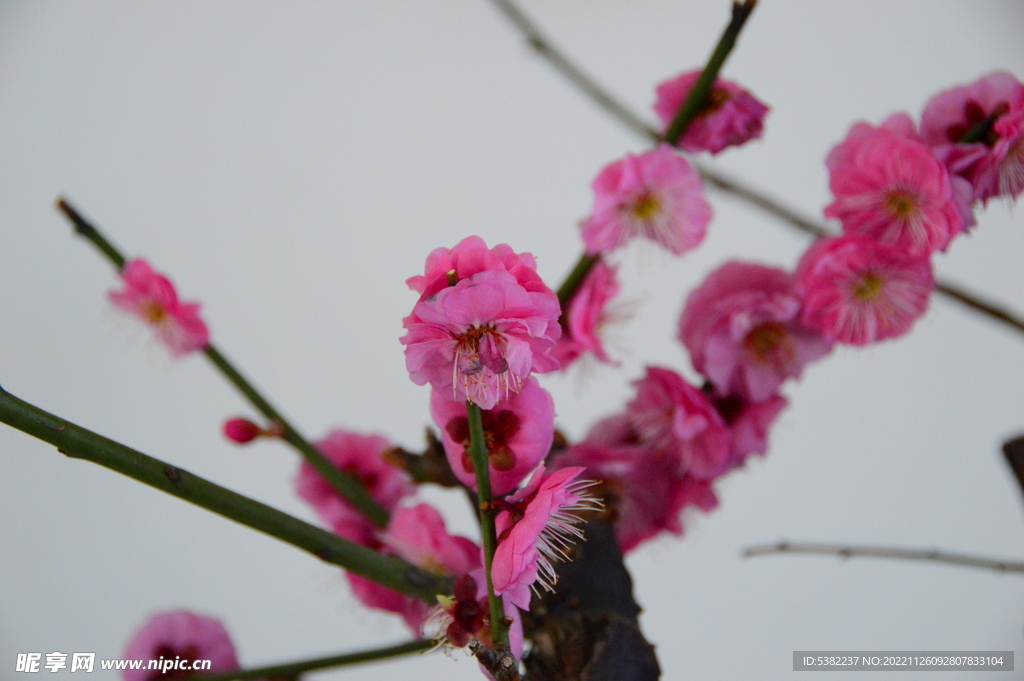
479,347
769,343
901,203
868,287
153,312
499,428
716,98
646,205
976,124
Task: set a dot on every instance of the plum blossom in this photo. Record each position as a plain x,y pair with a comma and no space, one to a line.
994,106
743,331
518,432
731,117
472,256
858,291
539,523
585,315
151,297
481,338
359,455
184,635
656,195
678,419
889,186
748,424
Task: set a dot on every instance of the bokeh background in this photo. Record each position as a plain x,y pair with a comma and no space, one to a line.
290,164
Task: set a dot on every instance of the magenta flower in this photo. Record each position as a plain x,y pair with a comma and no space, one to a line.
731,117
857,290
994,165
472,256
742,328
150,296
184,635
534,531
889,186
481,338
585,314
518,432
359,455
656,195
748,425
673,417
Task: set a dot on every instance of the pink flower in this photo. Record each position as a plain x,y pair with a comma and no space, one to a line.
889,186
731,117
742,328
151,297
994,165
359,455
748,424
518,432
535,530
585,314
472,256
184,635
481,338
857,290
656,195
418,535
672,416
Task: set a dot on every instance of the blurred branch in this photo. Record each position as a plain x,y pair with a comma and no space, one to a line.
1013,450
893,553
79,443
293,669
721,181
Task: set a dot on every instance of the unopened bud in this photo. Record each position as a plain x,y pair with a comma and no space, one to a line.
241,430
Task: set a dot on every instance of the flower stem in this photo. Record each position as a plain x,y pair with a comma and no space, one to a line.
481,466
293,669
345,484
576,278
80,443
697,99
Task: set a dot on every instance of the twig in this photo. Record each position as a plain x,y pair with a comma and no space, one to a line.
894,553
713,177
79,443
293,669
345,484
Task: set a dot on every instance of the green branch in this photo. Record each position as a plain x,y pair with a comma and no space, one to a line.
345,484
293,669
79,443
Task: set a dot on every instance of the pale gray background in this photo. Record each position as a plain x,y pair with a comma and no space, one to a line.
290,164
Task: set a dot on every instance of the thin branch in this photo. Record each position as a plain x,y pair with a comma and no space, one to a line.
345,484
293,669
893,553
79,443
713,177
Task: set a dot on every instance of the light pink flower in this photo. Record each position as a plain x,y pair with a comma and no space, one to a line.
481,338
857,290
994,165
472,256
518,432
359,455
535,531
742,328
150,296
418,535
656,195
585,314
171,635
672,416
731,117
889,186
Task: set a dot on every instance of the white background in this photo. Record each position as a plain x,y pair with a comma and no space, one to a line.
290,164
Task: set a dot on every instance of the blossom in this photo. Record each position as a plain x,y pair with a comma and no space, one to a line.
748,424
674,417
518,432
472,256
418,535
466,616
534,531
657,195
150,296
360,456
743,331
857,290
731,117
994,164
888,185
481,338
184,635
585,314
